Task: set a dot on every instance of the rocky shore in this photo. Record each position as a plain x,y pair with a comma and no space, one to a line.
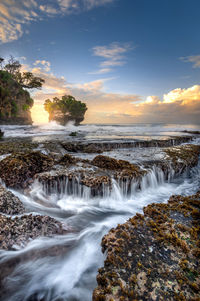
154,256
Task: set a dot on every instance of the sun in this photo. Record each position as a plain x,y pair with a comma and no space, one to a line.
39,115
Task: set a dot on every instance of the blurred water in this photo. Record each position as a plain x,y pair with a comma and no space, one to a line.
102,131
72,275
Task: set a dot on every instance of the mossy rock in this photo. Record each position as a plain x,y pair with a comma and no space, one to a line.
16,170
67,160
154,256
113,164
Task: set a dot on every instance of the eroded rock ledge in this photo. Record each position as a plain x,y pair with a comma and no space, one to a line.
154,256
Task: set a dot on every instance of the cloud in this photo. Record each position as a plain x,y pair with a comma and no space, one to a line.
49,10
78,5
194,59
176,106
15,14
184,96
46,65
113,55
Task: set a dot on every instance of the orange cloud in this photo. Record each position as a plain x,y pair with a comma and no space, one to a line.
179,105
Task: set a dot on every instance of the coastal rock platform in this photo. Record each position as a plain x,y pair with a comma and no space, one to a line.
154,256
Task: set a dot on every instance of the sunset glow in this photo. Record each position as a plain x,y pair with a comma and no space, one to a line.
39,115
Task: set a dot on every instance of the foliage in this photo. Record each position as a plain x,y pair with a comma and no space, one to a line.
14,108
66,105
11,70
25,107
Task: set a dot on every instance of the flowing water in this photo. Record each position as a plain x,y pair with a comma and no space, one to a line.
71,274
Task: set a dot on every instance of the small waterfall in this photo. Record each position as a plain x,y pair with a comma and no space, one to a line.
59,187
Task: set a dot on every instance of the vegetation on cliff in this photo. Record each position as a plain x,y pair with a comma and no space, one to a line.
65,109
15,101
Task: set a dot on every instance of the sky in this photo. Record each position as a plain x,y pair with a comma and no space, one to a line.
130,61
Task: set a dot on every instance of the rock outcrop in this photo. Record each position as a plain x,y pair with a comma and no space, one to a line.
65,109
15,102
17,170
154,256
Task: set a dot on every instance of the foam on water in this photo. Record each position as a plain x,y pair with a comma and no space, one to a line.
97,131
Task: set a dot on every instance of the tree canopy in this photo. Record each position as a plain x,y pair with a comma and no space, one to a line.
25,79
66,105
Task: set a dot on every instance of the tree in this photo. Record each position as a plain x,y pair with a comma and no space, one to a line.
28,80
67,106
13,66
25,79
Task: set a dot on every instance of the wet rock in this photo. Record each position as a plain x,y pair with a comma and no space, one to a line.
100,147
1,133
80,147
122,171
192,132
113,164
67,160
75,182
16,146
17,232
98,174
16,170
182,157
9,203
154,256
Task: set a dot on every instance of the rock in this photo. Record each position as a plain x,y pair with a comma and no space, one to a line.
19,231
16,146
183,157
113,164
1,133
17,170
192,132
83,148
154,256
100,147
9,203
67,160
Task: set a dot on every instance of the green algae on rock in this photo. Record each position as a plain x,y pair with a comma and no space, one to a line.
154,256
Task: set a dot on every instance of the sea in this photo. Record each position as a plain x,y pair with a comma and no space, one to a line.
72,276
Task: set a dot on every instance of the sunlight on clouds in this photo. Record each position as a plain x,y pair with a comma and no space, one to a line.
185,96
176,106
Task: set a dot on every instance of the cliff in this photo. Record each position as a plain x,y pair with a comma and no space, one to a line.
15,102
